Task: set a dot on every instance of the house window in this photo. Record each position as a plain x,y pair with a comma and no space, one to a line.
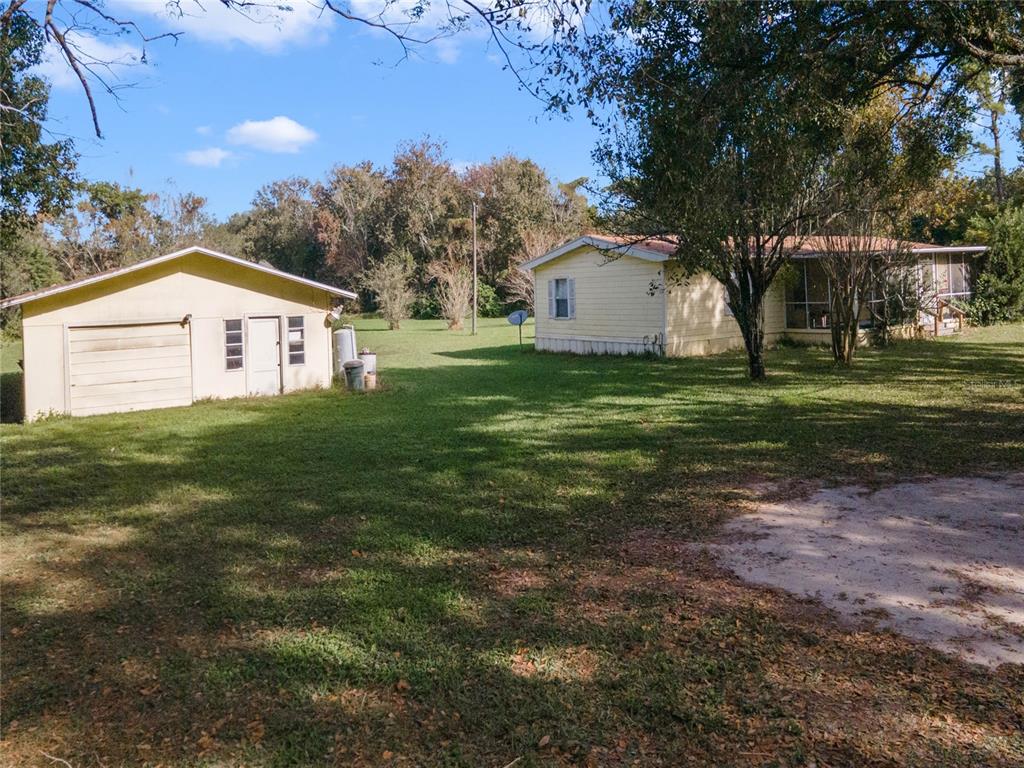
807,298
233,344
562,298
296,341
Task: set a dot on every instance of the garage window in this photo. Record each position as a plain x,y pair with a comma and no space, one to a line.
296,341
233,344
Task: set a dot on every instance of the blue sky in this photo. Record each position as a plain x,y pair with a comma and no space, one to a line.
201,115
236,104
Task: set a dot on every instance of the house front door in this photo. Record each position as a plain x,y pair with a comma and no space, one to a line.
264,365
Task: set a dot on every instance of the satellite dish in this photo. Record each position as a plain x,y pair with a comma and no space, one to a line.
518,317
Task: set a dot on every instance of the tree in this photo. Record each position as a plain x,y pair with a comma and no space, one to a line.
282,230
989,90
879,163
390,281
183,221
423,198
731,168
37,179
942,213
26,264
855,257
110,226
229,236
721,124
453,288
566,214
349,216
517,198
999,280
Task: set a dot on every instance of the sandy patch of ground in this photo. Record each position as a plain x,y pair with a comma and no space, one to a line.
940,561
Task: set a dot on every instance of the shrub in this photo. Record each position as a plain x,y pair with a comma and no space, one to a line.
426,307
999,282
453,289
390,280
489,303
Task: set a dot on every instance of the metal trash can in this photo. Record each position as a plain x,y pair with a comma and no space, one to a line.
354,374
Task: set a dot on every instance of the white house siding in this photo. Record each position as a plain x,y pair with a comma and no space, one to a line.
615,313
698,317
209,289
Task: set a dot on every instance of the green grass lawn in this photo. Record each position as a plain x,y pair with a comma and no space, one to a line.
488,559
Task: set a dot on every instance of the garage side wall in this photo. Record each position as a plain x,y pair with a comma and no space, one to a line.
699,321
615,312
209,289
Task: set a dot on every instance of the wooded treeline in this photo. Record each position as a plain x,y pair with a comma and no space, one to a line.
333,229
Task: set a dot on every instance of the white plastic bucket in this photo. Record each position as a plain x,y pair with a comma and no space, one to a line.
369,361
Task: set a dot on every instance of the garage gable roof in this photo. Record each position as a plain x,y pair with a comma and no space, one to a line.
640,248
53,290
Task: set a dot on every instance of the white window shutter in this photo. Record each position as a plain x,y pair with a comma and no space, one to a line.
551,299
572,297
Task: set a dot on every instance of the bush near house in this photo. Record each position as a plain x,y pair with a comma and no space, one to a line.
999,283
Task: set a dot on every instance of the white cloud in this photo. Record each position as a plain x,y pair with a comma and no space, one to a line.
203,130
461,166
268,27
211,157
110,61
279,134
447,50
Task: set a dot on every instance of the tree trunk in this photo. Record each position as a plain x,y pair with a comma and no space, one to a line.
753,338
843,315
997,160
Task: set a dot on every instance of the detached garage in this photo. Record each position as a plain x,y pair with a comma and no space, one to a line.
173,329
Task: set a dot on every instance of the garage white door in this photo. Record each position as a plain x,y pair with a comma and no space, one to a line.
129,367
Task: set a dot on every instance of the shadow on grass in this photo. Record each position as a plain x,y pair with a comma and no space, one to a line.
448,570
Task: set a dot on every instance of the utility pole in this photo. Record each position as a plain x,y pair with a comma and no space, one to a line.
474,269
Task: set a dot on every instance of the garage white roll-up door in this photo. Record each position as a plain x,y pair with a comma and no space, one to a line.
129,367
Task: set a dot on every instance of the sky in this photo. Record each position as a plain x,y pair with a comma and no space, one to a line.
236,104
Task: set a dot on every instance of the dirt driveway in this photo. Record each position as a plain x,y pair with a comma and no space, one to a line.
941,561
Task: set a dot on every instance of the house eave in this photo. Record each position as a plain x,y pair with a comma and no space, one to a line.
636,251
926,251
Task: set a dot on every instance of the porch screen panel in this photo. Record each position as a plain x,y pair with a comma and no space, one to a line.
817,295
796,298
957,274
942,273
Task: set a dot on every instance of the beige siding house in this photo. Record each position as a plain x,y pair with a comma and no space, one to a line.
604,295
171,330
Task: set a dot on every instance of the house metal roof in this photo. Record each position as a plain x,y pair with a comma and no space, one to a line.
660,249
